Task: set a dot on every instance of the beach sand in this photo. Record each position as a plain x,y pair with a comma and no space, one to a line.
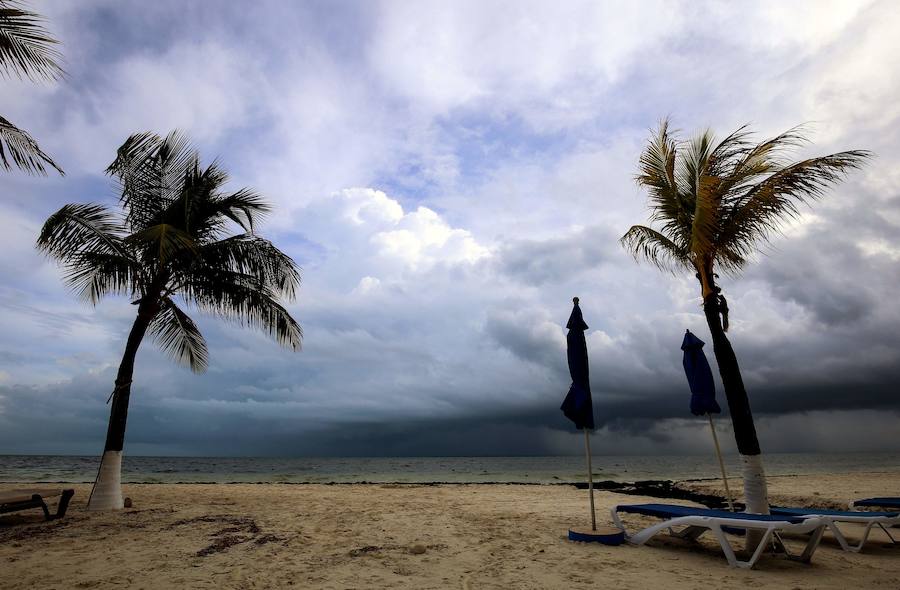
372,536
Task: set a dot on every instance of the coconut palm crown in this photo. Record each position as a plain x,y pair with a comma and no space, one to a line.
172,247
714,204
27,50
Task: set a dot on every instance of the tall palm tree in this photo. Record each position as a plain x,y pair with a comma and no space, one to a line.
715,204
169,247
28,51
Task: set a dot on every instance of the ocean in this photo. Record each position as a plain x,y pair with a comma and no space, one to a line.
520,470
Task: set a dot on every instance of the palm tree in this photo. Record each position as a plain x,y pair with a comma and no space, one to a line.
26,50
169,247
715,204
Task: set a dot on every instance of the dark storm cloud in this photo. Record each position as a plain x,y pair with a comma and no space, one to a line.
536,262
206,429
528,335
828,275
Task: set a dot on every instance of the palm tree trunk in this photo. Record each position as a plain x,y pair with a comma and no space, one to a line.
755,489
107,491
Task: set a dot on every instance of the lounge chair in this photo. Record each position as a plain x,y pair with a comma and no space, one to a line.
24,499
832,517
697,521
889,503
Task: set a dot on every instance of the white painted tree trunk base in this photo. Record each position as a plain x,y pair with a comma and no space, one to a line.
107,492
756,495
756,492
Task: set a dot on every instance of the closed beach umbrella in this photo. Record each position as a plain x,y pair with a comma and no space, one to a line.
703,392
699,376
578,406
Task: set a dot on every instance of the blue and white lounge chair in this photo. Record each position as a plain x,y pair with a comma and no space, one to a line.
888,503
697,521
832,517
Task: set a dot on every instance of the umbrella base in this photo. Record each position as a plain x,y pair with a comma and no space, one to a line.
604,534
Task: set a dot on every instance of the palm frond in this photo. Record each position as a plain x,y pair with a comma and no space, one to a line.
92,275
650,245
19,148
241,298
250,255
762,208
656,169
657,174
705,218
244,207
694,163
205,211
728,150
151,171
178,336
750,162
81,228
26,48
163,241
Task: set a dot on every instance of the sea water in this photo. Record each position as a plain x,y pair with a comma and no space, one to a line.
522,470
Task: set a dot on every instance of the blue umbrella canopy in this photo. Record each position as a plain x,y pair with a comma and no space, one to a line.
578,406
699,376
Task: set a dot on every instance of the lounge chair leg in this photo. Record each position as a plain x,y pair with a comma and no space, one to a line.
690,533
886,532
614,515
763,543
63,504
841,539
641,537
865,537
778,545
37,499
811,545
726,547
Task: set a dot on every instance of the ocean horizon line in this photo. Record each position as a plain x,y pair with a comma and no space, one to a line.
486,456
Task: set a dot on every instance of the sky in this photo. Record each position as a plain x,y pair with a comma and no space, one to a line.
449,175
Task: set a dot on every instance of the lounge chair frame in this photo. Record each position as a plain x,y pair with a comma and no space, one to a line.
37,501
870,524
871,520
695,526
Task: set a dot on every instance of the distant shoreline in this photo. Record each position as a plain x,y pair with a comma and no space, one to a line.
659,475
608,485
666,489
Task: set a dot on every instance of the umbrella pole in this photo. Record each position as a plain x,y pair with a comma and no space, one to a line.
721,463
587,448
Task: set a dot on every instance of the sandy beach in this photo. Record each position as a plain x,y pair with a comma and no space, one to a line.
409,536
